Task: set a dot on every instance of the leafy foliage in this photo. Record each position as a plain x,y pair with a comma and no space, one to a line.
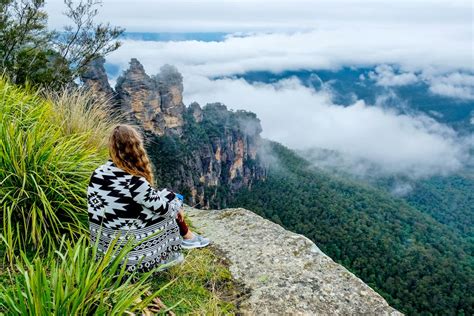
29,52
50,144
180,161
418,264
448,199
85,40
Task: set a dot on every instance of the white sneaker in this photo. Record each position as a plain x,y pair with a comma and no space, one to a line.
196,242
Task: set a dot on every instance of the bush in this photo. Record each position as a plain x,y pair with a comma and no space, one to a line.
48,151
71,281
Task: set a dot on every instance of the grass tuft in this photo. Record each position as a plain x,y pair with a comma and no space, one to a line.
47,152
203,284
75,280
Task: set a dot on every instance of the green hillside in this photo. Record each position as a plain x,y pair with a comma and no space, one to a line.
448,199
418,264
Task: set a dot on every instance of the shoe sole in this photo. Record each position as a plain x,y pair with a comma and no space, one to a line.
191,247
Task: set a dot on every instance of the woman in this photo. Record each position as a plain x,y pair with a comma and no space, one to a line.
121,199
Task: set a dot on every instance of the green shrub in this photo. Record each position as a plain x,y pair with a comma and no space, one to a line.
46,159
71,281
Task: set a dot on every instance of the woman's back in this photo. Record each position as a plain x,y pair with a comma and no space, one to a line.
121,203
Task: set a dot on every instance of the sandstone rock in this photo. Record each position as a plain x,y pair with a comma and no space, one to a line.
170,85
95,78
139,97
286,273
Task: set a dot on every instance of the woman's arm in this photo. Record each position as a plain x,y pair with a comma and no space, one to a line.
159,201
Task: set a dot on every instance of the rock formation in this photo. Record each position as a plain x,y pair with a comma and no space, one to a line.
206,153
95,79
286,273
157,102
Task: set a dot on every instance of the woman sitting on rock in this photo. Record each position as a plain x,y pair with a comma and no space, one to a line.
122,199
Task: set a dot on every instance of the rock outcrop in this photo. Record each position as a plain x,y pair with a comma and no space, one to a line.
95,79
286,273
157,102
206,153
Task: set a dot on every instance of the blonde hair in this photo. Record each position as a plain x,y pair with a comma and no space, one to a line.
128,153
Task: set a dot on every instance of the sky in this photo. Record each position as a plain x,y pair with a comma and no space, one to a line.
404,41
270,15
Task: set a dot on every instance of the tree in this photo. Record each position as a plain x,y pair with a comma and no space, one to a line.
22,30
30,52
85,41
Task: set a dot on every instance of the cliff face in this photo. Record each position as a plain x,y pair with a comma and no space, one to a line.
206,153
285,273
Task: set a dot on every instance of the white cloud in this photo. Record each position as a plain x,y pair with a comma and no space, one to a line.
298,117
323,48
270,15
385,75
302,118
455,85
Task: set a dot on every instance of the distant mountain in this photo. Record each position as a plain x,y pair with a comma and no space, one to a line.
448,199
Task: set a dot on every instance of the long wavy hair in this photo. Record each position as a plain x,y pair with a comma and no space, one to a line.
128,153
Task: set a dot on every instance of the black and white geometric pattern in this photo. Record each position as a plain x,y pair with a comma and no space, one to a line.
126,205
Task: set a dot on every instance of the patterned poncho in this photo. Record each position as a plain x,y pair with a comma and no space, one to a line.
125,204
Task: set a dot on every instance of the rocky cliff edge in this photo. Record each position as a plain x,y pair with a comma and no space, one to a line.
285,273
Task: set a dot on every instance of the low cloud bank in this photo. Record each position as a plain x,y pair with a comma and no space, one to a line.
410,48
364,135
455,84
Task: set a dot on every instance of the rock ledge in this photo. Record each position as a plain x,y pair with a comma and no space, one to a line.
285,272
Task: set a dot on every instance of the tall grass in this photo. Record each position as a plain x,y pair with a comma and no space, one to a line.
84,112
48,150
71,281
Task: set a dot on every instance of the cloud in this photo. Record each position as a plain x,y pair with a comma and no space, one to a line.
328,47
455,85
299,117
385,75
401,189
265,15
427,41
302,118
